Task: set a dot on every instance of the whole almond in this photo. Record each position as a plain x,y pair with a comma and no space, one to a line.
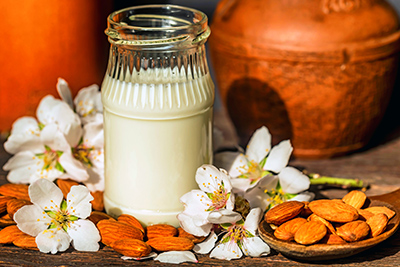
9,234
6,220
378,223
3,203
309,233
364,214
332,239
375,210
15,204
131,247
355,198
161,230
131,220
97,216
333,211
111,230
26,242
287,230
284,212
15,190
65,185
171,243
195,239
316,218
353,231
97,202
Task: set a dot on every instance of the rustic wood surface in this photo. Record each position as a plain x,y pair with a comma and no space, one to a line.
378,164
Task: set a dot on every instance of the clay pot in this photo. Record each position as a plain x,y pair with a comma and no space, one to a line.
319,72
44,40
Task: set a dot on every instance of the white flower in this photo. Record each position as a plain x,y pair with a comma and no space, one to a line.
90,152
212,204
56,222
49,157
176,257
87,102
285,186
240,238
26,130
247,170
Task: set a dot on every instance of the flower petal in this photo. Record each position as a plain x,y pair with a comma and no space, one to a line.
188,224
32,220
255,247
68,122
64,92
45,194
279,157
95,182
259,145
305,196
53,241
223,216
151,255
257,197
73,167
196,203
78,200
234,162
25,135
44,109
240,185
22,167
93,133
207,245
209,179
85,236
252,220
293,181
176,257
226,251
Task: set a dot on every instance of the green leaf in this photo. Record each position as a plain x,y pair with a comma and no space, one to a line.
225,225
51,214
52,226
248,234
262,163
72,218
41,126
59,167
59,153
48,149
289,196
63,205
241,222
65,227
210,195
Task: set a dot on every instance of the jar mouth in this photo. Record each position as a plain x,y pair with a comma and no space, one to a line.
157,24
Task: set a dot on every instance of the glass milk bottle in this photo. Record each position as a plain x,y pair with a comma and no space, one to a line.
158,103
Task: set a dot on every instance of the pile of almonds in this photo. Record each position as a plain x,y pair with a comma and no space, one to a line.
128,237
125,234
335,221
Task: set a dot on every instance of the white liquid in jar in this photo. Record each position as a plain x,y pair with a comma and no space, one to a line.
156,136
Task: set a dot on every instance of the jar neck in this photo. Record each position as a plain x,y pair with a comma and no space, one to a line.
153,66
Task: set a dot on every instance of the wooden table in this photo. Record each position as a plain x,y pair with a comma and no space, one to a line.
379,165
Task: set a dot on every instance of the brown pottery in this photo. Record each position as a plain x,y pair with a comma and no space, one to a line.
319,72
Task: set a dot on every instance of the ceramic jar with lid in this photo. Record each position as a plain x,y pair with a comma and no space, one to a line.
319,72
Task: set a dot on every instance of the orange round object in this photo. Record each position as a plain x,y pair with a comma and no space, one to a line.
44,40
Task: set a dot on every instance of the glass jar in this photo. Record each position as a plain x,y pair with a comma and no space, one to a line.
158,103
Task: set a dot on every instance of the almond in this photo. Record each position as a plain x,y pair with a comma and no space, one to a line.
3,203
131,220
131,247
171,243
9,234
306,210
333,211
195,239
316,218
378,223
161,230
15,190
375,210
355,198
15,204
284,212
287,230
97,202
364,214
111,230
97,216
65,185
6,220
332,239
309,233
353,231
26,242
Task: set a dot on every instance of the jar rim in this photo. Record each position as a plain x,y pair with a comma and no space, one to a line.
170,29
